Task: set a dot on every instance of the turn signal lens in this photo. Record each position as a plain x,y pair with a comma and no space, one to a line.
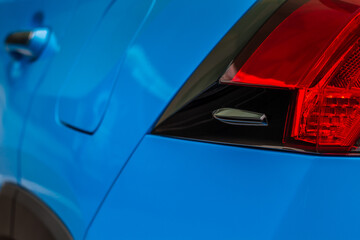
316,53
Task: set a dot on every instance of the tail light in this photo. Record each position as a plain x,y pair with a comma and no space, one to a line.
314,55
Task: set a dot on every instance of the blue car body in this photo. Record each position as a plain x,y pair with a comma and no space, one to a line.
75,132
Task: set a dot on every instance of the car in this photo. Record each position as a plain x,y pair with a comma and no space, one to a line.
178,119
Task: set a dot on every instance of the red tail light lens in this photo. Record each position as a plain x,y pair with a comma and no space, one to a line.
328,114
315,52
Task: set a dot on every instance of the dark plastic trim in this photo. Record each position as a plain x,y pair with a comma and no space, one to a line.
216,63
190,115
25,217
7,200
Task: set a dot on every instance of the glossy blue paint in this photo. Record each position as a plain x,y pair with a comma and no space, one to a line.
85,97
72,171
98,75
191,190
18,81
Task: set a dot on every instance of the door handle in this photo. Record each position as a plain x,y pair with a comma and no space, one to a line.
27,45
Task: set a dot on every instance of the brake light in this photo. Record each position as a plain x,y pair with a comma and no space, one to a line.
315,52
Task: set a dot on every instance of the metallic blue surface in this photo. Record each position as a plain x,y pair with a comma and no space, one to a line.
191,190
98,75
70,171
84,99
18,81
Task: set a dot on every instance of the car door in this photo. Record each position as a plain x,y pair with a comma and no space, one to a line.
19,79
70,155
